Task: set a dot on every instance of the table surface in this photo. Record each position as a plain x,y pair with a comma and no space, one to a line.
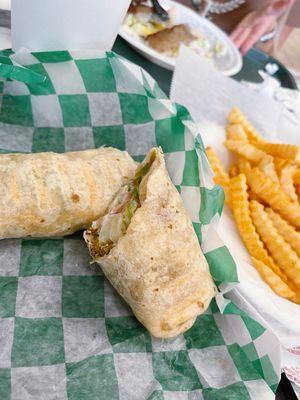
252,62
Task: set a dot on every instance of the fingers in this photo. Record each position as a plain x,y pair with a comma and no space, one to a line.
243,29
257,23
241,35
236,32
249,43
255,35
246,35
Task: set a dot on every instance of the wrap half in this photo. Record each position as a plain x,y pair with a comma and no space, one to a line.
148,249
50,194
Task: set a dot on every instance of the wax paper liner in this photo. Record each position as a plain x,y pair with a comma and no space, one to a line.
64,332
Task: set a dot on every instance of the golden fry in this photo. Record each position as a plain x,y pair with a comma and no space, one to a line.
240,208
297,177
287,181
236,117
279,163
246,150
296,298
243,165
280,150
266,166
236,132
221,177
287,231
272,194
280,250
273,280
253,196
233,170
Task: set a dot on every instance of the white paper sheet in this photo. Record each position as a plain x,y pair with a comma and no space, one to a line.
41,25
209,96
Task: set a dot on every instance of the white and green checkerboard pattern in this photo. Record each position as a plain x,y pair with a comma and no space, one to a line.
64,332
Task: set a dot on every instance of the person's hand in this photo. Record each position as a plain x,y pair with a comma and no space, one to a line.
258,23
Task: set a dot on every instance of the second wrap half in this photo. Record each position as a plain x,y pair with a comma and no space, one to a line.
148,249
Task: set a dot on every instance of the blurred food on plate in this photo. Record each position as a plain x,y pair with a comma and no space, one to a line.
165,37
168,41
142,20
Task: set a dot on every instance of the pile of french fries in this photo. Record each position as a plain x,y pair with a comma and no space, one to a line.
262,188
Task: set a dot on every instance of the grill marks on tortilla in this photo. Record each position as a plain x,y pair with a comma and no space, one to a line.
75,198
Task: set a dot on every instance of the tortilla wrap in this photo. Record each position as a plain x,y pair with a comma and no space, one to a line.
50,194
148,250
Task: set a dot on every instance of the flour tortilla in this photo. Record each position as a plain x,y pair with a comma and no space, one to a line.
50,194
157,265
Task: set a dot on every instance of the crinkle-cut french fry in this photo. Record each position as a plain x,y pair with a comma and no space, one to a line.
233,170
295,298
221,177
253,196
246,150
266,165
236,132
287,181
287,231
279,163
280,250
281,150
297,177
236,117
244,165
240,208
272,194
273,280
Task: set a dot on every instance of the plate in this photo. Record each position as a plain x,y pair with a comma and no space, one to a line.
229,64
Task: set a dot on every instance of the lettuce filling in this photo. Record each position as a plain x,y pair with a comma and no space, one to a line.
115,223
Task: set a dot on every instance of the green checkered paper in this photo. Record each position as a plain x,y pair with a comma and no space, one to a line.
64,332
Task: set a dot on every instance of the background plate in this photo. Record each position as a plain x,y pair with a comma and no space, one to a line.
230,64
